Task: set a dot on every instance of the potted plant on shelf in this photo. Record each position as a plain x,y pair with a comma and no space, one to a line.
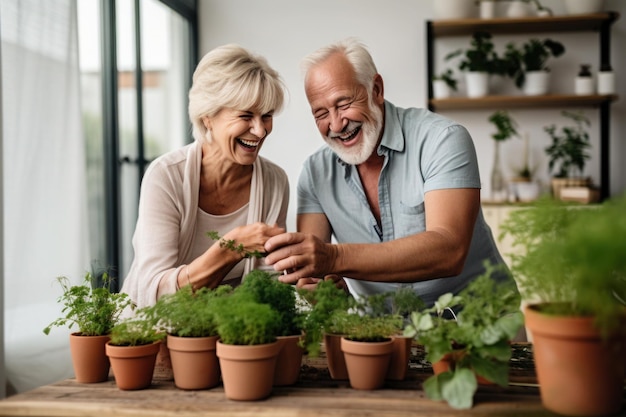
506,128
94,311
568,153
479,62
572,273
132,350
444,83
188,318
247,349
471,345
528,64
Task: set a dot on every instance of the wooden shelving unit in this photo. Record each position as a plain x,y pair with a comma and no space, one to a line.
519,102
599,23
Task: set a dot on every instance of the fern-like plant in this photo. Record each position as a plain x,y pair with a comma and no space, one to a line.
93,310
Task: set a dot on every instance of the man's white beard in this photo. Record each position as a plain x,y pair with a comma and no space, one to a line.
370,131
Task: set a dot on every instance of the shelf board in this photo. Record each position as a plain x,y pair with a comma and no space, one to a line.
592,22
490,102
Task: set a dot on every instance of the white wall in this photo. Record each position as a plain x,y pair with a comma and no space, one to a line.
284,31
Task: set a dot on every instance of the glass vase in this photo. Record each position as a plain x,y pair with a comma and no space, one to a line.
498,184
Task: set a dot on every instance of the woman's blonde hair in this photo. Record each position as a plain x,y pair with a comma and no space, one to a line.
229,76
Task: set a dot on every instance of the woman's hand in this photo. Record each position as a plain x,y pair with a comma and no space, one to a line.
252,237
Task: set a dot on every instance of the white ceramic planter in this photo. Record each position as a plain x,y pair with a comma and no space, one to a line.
583,6
487,9
441,89
477,84
536,83
454,9
518,9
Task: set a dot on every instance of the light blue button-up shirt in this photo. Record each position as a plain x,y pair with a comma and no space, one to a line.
423,151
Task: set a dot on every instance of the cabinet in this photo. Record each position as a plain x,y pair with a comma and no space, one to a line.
599,23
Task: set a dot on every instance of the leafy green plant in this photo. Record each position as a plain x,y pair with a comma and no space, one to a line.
571,259
188,313
241,320
481,56
136,331
568,150
505,125
266,289
447,77
94,310
477,337
232,245
323,302
531,56
364,327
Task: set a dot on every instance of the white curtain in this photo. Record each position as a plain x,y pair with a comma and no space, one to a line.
45,210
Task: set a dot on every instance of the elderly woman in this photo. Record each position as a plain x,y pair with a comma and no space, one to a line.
219,183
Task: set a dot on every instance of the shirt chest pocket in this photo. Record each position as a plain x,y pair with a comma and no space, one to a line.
410,219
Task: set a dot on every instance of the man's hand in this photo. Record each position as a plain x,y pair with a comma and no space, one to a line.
302,255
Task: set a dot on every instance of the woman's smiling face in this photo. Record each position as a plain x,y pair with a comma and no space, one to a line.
239,134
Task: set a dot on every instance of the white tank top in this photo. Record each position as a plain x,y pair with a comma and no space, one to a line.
221,224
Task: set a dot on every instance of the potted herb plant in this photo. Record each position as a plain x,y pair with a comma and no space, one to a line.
572,273
568,152
323,303
480,61
395,304
367,344
132,350
247,349
528,64
94,310
444,83
188,318
266,289
473,343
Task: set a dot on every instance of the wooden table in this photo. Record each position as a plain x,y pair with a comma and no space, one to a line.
315,394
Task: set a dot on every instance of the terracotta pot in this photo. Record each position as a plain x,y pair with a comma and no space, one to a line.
400,356
447,363
334,356
89,359
578,374
367,362
194,362
248,371
133,366
289,360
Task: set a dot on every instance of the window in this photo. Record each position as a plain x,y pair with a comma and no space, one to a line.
136,61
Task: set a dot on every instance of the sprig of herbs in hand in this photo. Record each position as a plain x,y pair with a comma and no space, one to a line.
232,245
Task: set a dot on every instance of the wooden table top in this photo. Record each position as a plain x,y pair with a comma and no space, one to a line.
315,394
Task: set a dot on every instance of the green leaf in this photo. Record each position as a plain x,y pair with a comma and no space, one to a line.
494,371
459,390
432,386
